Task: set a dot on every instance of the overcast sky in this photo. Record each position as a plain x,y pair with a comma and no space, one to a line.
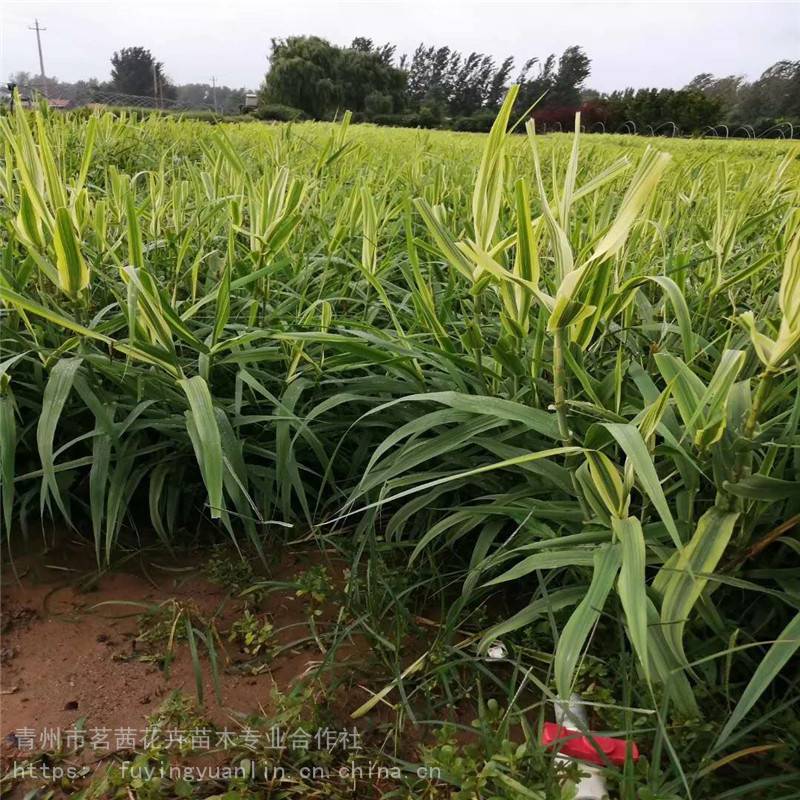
630,44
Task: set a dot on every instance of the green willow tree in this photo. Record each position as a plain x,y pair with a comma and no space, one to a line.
312,74
134,70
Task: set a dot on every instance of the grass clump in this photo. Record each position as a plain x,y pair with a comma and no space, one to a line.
554,382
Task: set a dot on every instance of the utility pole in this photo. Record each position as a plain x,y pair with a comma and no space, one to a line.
214,91
155,84
38,30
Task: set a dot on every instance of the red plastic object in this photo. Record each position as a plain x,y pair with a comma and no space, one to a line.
574,744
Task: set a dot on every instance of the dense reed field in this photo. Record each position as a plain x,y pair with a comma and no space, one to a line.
550,383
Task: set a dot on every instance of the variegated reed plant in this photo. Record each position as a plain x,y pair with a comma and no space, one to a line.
590,294
562,364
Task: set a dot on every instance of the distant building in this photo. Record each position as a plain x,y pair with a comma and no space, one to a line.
6,97
28,96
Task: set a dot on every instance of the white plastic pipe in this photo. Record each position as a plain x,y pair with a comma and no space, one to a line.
571,714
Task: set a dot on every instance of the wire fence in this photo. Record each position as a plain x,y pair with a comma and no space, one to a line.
101,97
78,97
109,98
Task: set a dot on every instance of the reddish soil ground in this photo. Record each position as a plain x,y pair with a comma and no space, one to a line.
74,652
70,651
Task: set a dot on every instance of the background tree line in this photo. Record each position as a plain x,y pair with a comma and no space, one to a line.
136,72
440,87
434,86
309,77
